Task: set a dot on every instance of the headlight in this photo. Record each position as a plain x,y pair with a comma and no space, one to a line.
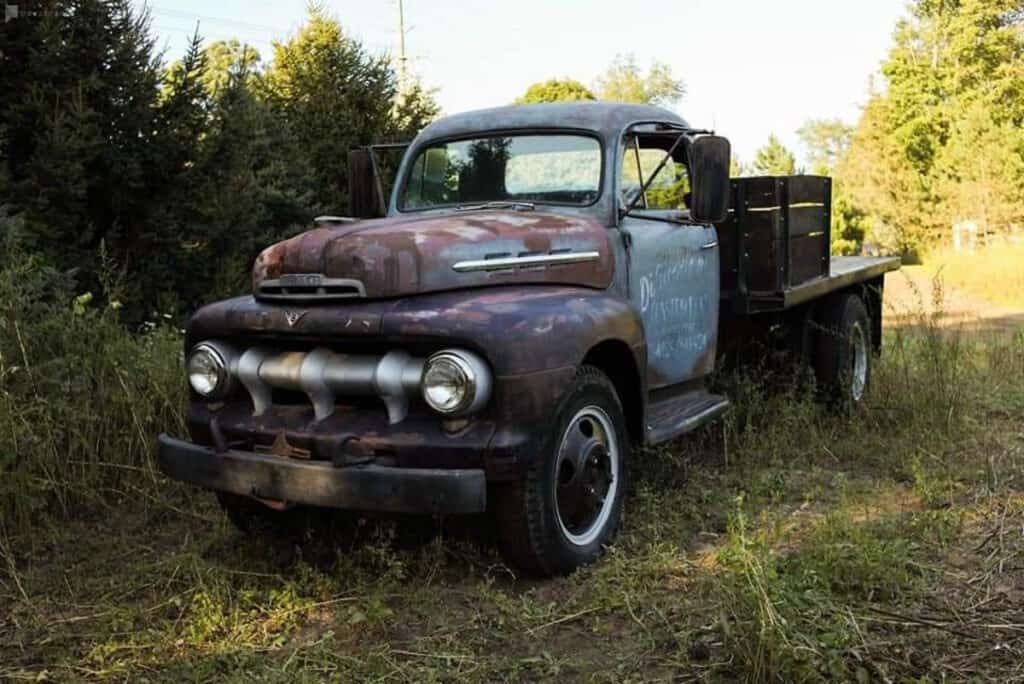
456,382
208,371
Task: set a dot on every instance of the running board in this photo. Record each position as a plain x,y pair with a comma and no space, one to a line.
683,413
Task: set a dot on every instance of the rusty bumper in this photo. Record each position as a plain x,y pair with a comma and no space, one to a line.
371,488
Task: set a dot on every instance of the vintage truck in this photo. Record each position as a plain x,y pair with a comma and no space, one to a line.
545,290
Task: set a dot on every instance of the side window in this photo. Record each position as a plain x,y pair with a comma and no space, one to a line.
640,159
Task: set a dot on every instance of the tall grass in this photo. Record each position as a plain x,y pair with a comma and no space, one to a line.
81,397
993,273
791,600
758,549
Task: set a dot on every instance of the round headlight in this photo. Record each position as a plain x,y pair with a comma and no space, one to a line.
455,381
207,371
447,383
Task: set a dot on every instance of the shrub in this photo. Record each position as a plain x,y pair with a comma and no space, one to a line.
81,397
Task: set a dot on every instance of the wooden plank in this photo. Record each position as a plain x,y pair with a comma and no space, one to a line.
845,271
765,266
808,189
762,224
760,191
808,258
807,219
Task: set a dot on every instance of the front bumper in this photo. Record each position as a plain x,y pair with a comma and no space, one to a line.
371,488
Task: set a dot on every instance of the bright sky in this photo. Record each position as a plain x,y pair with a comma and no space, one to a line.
751,67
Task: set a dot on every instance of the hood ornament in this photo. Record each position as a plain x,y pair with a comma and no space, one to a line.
293,317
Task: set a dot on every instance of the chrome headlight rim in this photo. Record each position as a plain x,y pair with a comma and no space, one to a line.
221,363
477,381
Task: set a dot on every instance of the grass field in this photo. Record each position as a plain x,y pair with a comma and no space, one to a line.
782,544
994,274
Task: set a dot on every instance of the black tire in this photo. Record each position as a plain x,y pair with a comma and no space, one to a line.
534,536
842,360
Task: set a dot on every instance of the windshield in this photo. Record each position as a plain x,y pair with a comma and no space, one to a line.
553,169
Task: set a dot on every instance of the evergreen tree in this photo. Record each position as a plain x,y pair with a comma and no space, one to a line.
81,150
336,96
774,159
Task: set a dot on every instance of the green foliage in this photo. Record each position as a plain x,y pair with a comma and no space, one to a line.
181,173
774,159
555,90
333,95
826,141
81,397
223,60
943,140
624,81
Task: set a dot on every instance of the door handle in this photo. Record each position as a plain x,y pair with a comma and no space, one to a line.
710,245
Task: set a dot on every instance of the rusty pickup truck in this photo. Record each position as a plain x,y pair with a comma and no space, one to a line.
525,299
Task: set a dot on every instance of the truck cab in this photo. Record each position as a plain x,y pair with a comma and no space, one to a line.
536,291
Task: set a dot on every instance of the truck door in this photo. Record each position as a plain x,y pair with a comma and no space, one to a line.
673,265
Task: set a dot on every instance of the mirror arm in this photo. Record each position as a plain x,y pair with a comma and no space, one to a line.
645,186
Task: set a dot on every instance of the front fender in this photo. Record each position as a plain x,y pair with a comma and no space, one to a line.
534,338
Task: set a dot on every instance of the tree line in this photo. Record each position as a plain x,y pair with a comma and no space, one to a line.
157,184
940,140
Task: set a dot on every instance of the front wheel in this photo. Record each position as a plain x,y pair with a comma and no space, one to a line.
568,507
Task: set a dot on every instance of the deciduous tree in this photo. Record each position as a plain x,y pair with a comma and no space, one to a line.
556,90
624,81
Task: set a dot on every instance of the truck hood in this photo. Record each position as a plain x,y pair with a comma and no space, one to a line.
395,257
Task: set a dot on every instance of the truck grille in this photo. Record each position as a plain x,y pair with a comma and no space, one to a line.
309,287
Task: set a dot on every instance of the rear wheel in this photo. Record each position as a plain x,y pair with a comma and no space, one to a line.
568,507
843,356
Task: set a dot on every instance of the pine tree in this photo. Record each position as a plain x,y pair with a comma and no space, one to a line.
334,96
774,159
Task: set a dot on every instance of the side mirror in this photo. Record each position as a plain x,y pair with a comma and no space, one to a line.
364,193
709,170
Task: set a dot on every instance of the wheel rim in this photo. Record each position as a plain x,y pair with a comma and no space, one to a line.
858,362
586,476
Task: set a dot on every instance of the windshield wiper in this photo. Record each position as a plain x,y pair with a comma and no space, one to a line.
514,206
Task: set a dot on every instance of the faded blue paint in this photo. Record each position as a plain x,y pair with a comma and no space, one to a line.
673,283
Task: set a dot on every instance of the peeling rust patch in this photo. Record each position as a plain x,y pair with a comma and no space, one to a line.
395,257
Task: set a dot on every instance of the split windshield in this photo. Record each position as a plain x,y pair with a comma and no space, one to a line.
552,169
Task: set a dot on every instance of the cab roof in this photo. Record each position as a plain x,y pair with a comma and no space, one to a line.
607,119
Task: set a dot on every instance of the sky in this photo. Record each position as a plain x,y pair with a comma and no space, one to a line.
751,67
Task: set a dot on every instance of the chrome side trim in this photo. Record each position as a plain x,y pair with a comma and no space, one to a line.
503,263
335,219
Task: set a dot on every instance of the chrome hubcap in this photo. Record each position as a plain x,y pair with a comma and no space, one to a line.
587,472
858,362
